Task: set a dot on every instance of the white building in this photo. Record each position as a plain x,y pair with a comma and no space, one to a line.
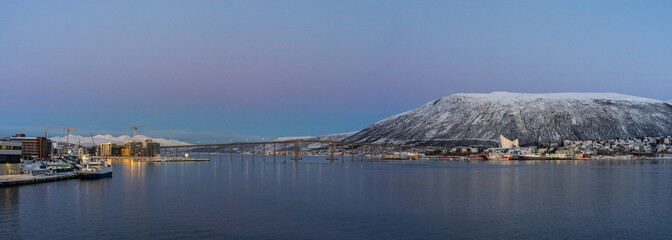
506,143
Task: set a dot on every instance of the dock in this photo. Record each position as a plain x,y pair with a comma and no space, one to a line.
23,179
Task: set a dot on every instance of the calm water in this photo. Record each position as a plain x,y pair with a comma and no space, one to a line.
316,199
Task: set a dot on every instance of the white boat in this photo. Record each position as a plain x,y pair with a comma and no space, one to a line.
97,169
496,156
58,165
37,168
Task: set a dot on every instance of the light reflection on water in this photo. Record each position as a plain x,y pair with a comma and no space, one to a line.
315,198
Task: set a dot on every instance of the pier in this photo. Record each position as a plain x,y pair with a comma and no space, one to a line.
23,179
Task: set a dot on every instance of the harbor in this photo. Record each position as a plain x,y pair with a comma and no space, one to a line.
316,192
26,161
84,167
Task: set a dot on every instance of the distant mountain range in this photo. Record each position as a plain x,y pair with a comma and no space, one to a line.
330,137
281,147
479,119
87,141
312,146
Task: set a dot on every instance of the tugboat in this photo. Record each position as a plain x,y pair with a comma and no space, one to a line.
97,169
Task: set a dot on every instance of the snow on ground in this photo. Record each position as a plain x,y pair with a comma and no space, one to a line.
311,146
510,96
280,139
530,117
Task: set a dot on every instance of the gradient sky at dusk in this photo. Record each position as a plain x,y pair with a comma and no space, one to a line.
223,70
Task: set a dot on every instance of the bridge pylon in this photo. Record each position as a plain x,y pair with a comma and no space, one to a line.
296,152
331,154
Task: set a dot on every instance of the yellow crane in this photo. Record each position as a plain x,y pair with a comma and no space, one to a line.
136,128
67,138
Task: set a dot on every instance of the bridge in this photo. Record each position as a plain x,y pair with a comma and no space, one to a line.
370,149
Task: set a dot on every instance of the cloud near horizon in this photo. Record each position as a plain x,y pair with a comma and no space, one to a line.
107,138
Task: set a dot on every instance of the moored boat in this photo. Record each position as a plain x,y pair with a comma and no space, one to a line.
97,169
494,156
478,157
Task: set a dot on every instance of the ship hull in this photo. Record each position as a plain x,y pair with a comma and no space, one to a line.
96,175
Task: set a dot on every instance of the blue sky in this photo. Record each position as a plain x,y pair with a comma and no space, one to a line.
236,70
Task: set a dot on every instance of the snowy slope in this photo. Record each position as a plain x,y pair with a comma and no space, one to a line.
479,119
290,147
280,139
87,141
313,146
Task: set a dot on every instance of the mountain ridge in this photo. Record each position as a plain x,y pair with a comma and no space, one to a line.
479,119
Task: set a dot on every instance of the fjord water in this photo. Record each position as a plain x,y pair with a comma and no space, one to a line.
317,199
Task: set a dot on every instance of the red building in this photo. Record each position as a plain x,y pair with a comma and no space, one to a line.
33,147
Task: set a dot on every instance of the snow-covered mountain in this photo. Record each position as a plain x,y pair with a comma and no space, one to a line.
314,146
87,141
330,137
290,147
479,119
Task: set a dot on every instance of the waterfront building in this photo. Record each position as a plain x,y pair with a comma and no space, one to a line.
110,149
33,147
126,152
150,148
106,149
131,149
506,143
10,158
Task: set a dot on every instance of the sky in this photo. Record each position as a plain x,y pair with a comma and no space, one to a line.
222,71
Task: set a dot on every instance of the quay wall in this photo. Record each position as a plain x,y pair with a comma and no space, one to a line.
23,179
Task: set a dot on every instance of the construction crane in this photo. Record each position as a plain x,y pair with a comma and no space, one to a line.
136,128
46,130
67,138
